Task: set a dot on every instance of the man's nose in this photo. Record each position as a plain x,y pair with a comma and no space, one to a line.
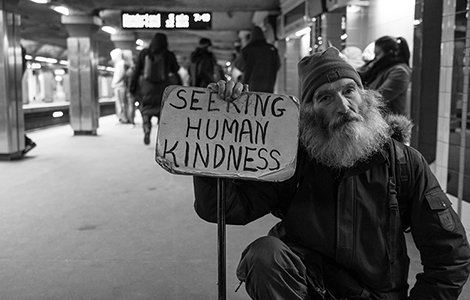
342,103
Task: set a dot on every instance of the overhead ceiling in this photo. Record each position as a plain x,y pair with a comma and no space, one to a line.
42,32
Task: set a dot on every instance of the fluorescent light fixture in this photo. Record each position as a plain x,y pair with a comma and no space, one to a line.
139,42
45,59
61,9
40,58
59,72
303,31
109,29
28,57
353,9
41,1
35,66
64,62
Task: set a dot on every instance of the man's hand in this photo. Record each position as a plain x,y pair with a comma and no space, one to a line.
228,90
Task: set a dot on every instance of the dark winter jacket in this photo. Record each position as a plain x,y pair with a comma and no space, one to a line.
152,93
259,62
347,216
202,67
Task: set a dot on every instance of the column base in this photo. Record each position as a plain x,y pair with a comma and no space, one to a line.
11,156
85,132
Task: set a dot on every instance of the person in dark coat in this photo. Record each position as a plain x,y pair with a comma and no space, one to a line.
152,92
389,72
259,61
344,212
203,64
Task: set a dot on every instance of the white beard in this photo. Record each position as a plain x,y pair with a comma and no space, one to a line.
353,138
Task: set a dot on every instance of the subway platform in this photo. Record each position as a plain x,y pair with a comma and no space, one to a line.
94,217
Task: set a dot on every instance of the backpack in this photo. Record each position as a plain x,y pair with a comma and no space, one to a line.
154,68
202,71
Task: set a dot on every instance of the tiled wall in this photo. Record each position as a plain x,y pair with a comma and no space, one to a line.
445,91
453,85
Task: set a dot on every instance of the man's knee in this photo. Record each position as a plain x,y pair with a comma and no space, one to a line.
270,268
264,250
267,254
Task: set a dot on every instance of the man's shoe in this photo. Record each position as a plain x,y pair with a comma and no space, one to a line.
147,138
29,147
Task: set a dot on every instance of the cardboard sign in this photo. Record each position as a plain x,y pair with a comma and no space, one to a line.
253,137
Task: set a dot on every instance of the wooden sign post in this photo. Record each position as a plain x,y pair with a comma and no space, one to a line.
254,137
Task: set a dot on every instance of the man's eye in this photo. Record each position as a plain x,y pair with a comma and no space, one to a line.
323,99
349,91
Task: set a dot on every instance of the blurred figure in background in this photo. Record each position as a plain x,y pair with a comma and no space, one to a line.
158,66
389,72
129,106
203,64
259,61
235,74
368,53
118,84
353,56
183,71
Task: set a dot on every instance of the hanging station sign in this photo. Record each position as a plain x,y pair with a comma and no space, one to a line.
166,20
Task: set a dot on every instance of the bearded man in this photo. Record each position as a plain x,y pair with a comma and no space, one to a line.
340,236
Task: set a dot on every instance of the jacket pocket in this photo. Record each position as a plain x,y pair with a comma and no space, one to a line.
441,205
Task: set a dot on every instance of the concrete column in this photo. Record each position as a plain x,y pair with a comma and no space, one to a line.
83,72
48,86
425,80
12,141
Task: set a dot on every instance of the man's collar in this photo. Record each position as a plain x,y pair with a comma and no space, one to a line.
378,158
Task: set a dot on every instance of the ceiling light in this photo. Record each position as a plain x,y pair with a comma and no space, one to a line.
303,31
61,9
353,9
108,29
59,72
41,1
35,66
45,59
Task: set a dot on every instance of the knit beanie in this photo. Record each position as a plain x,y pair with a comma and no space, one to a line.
323,67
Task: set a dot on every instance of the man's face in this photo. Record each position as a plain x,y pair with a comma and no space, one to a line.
337,103
342,124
